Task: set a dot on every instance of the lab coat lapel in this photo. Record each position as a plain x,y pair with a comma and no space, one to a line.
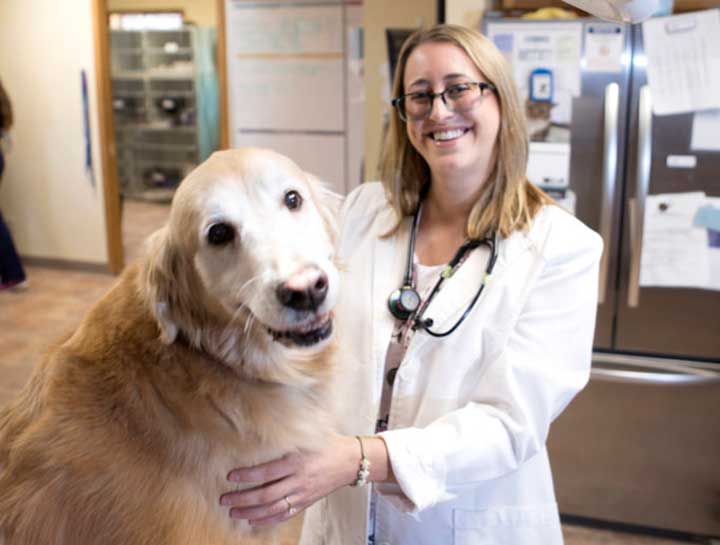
458,291
390,257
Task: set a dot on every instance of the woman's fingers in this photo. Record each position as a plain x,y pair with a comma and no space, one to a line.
269,471
269,513
263,495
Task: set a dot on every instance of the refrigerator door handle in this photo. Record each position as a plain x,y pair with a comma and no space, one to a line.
610,157
635,376
653,371
642,183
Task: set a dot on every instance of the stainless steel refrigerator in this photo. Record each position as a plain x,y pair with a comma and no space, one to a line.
640,446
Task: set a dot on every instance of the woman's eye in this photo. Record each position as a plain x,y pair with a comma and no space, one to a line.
293,200
220,233
456,91
420,98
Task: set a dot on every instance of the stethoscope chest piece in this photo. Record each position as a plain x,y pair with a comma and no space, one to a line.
403,302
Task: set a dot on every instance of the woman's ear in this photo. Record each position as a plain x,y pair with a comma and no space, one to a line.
161,267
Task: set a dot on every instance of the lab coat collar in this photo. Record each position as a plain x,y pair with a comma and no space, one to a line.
390,255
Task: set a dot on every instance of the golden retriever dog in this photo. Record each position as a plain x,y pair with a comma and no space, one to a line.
213,352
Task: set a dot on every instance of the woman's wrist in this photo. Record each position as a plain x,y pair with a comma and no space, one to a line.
372,463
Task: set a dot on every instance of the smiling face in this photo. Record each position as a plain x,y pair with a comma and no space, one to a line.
452,143
257,235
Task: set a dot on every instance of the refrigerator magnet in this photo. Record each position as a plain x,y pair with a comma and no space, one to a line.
541,85
681,161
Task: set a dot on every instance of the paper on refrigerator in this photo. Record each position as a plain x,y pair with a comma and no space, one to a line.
675,252
683,61
706,131
708,218
554,46
604,46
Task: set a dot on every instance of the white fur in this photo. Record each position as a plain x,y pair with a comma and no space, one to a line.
274,243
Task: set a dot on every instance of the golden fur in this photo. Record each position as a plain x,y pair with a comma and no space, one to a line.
127,430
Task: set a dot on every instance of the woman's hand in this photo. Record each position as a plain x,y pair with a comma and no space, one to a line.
288,485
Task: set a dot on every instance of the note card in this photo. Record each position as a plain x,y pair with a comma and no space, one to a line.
675,251
683,61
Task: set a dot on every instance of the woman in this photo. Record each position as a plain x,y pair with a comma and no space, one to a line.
12,274
453,398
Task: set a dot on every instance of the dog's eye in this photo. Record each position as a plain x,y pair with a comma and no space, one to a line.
220,233
293,200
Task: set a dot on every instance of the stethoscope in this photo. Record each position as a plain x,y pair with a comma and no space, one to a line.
405,302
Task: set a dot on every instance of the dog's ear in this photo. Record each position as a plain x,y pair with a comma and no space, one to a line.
328,203
159,273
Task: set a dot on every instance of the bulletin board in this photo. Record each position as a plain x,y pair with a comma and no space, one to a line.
291,80
320,154
284,67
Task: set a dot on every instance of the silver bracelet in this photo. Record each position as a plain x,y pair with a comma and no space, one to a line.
364,469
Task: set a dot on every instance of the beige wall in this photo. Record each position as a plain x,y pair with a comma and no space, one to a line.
466,12
377,16
200,12
46,195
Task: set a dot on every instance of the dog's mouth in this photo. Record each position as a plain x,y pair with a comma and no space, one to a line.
308,334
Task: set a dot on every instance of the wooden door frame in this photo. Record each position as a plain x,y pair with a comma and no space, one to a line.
106,130
222,76
108,155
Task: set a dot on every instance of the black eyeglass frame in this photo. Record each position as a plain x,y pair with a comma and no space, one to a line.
398,101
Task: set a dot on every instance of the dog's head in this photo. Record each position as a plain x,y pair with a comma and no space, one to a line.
245,263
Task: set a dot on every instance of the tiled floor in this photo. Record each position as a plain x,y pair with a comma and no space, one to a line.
56,300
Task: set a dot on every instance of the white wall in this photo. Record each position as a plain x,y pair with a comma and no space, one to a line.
46,195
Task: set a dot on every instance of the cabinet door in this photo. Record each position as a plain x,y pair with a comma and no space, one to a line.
693,5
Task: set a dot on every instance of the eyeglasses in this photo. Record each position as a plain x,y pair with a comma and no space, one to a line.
458,98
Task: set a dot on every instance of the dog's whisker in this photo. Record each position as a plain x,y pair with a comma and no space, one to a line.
248,325
228,333
247,284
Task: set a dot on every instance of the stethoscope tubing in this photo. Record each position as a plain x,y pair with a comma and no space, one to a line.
408,284
419,323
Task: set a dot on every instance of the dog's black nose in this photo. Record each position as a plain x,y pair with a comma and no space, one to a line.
305,291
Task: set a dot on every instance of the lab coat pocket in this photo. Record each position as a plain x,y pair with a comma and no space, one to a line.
508,525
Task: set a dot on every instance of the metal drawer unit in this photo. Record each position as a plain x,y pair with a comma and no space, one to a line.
154,105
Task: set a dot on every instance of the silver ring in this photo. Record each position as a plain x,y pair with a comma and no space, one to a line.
291,510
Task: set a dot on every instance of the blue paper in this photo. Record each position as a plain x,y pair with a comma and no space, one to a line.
708,217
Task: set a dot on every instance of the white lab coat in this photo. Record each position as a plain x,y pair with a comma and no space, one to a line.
470,412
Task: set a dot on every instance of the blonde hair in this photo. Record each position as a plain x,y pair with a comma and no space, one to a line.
508,201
